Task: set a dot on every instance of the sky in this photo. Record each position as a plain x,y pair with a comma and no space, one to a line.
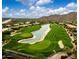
37,8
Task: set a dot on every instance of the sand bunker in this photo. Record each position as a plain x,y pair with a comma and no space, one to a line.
60,43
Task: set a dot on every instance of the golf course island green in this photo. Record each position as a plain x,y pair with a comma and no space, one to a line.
43,48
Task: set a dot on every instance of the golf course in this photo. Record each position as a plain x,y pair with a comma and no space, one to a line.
56,40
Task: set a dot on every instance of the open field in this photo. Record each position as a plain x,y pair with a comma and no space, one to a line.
44,48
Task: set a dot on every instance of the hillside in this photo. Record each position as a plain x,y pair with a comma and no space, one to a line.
68,18
71,17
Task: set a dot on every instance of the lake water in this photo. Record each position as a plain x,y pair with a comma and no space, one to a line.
38,35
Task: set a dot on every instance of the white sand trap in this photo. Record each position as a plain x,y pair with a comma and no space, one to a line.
60,43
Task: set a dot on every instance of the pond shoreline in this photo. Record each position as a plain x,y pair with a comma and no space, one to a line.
37,33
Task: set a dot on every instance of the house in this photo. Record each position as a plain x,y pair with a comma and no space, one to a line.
6,29
6,21
71,26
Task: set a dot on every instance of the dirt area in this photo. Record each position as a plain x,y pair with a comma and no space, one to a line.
57,55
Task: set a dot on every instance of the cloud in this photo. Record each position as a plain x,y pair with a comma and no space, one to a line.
39,11
34,2
72,6
42,2
32,7
5,11
60,10
26,2
42,11
20,13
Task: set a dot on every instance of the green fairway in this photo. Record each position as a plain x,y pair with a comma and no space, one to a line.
45,47
26,32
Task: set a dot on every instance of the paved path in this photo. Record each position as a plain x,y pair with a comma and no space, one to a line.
18,53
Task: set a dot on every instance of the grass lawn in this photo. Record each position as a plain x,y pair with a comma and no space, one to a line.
45,47
26,32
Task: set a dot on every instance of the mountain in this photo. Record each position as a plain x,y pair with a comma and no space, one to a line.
71,17
67,18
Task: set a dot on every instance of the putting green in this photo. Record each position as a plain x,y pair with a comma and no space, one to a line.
40,46
25,35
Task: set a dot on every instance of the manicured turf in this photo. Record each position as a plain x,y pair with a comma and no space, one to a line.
45,47
26,32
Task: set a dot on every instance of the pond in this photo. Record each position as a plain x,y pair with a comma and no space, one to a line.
38,35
